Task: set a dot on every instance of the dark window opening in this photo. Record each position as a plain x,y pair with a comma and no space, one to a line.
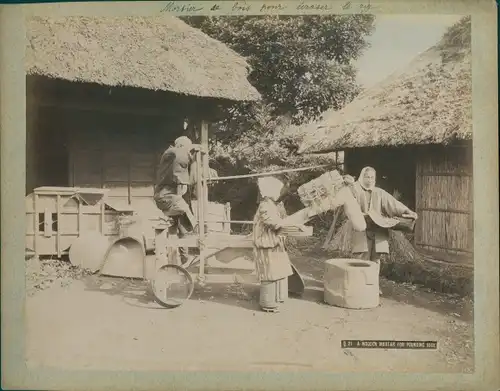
41,222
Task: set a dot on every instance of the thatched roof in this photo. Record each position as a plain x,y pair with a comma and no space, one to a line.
157,53
429,102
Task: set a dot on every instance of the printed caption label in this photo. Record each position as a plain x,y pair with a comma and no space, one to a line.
382,344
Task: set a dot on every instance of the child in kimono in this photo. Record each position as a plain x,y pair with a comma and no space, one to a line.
272,261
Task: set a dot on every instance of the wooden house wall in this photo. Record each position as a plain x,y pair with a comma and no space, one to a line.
31,131
94,136
119,155
445,200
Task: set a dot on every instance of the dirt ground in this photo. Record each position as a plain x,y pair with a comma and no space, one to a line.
113,324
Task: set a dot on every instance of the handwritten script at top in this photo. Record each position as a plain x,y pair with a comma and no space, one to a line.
182,8
251,7
361,7
365,7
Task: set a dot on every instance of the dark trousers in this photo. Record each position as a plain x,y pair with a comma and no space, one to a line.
180,227
175,207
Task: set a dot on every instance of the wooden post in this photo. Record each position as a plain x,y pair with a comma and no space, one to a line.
331,231
206,172
80,216
201,214
203,194
103,218
36,222
160,247
227,216
58,225
129,178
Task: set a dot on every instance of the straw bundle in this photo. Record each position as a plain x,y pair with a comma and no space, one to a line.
400,248
320,193
342,240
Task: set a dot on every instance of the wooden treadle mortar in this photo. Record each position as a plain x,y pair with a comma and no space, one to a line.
351,283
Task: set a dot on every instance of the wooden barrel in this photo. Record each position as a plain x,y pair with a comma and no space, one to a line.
351,283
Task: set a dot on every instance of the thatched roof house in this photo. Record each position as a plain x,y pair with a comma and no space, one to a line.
415,129
107,95
155,53
429,102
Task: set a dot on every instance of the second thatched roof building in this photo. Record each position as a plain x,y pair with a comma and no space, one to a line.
415,128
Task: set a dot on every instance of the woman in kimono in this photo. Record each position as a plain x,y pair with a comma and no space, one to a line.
272,262
369,245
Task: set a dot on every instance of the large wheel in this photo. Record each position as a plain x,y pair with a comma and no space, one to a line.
172,286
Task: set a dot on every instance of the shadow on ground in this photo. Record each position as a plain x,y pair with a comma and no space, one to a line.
136,292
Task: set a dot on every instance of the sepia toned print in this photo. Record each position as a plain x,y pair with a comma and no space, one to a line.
159,138
269,192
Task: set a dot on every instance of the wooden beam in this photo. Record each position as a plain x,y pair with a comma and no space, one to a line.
212,242
230,221
262,174
459,211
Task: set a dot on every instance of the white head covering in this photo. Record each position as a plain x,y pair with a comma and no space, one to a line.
270,187
183,142
361,180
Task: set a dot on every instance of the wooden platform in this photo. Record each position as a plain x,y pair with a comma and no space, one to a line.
212,241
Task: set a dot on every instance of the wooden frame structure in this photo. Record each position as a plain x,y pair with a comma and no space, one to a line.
209,244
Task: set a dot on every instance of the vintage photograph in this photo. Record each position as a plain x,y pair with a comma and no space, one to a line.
272,192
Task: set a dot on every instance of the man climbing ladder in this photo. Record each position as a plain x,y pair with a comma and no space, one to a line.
172,181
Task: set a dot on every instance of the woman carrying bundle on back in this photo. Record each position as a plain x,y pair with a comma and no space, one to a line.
376,203
272,261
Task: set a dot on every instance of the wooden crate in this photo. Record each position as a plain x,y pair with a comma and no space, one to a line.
56,216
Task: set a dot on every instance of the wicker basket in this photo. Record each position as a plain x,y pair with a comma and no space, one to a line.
319,194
